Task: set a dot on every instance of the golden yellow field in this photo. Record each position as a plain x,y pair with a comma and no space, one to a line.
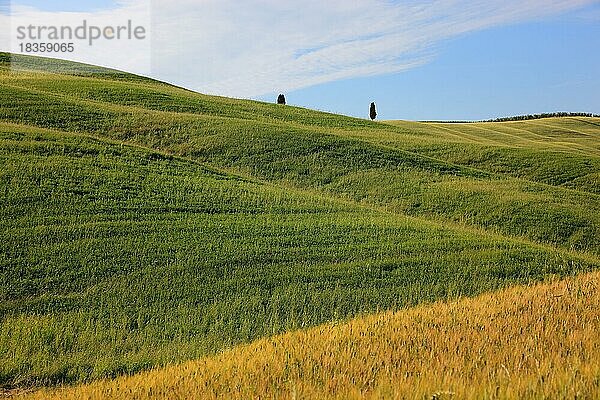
524,342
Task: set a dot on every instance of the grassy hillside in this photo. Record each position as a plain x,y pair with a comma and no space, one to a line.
143,224
116,259
533,179
522,343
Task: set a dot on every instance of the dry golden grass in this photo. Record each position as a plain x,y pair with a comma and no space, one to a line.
524,342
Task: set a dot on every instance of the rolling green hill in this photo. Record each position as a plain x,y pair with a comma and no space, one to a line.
143,224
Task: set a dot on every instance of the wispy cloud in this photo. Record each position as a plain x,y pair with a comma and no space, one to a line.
260,46
255,47
4,24
125,54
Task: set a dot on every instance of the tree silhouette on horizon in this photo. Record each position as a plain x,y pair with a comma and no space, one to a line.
373,111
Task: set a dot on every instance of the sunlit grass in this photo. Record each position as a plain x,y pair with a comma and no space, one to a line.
521,343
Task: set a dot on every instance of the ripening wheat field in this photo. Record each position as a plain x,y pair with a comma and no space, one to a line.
521,343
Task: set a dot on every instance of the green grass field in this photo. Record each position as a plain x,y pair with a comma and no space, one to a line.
143,224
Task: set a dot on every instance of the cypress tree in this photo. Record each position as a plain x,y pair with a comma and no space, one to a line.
373,111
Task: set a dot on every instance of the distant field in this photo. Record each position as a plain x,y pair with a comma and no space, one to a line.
522,343
144,225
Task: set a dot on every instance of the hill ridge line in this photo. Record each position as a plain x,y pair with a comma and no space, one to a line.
304,192
321,130
470,168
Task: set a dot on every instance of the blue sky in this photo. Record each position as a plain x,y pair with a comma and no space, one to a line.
67,5
419,60
4,5
533,67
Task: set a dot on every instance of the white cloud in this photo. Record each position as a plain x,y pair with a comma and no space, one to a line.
4,32
4,25
126,54
253,47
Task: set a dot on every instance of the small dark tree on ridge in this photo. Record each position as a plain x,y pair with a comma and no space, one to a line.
281,99
373,111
